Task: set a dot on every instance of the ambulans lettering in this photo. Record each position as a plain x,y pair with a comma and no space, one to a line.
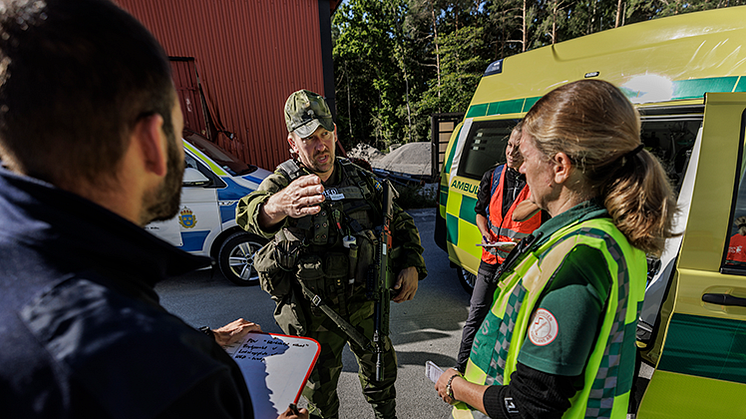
464,186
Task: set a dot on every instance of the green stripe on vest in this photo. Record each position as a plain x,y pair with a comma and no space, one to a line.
609,369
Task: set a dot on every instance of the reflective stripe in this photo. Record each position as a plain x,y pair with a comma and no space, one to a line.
725,347
214,167
601,397
505,229
504,335
610,365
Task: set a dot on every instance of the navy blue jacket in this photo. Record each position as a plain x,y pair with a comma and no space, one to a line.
82,334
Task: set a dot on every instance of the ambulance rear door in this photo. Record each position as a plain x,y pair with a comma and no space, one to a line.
701,367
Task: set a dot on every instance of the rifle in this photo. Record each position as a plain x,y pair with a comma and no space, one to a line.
381,279
378,287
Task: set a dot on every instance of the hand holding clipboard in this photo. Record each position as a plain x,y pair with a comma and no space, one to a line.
275,368
504,246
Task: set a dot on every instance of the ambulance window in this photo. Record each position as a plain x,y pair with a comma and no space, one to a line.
735,251
485,147
671,139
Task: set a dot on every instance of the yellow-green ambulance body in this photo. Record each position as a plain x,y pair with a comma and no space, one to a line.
687,75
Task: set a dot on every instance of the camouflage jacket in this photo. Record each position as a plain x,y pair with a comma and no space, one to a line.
405,234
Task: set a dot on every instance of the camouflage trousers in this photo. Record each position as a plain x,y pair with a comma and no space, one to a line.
321,388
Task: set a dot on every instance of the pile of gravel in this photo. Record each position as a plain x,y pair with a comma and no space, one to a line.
411,158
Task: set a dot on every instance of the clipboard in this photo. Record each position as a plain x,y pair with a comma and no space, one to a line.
432,371
496,244
275,368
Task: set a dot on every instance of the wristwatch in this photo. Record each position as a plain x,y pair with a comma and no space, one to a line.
449,389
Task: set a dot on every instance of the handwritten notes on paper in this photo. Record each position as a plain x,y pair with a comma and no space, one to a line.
275,368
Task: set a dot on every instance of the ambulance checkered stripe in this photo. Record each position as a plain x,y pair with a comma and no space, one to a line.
601,399
505,334
604,387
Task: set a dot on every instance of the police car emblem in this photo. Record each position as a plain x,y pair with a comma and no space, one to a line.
187,219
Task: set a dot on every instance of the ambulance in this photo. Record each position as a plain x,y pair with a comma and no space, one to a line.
214,180
687,76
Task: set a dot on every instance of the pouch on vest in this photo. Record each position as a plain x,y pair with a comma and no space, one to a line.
367,243
275,263
320,230
323,276
311,273
336,266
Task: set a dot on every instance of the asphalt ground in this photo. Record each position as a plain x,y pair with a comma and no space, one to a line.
426,328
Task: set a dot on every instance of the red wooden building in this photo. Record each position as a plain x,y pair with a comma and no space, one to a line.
236,61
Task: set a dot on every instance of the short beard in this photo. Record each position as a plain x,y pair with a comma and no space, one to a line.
164,203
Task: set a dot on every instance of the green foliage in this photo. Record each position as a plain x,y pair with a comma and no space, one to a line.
397,62
461,68
369,63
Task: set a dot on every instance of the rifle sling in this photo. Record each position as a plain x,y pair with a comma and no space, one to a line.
343,324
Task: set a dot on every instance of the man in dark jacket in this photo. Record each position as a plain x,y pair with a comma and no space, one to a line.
89,144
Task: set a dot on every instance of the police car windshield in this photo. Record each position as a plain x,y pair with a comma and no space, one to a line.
225,159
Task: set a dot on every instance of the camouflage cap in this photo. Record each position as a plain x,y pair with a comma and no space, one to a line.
305,111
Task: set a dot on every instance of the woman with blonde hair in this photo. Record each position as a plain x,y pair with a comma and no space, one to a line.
559,339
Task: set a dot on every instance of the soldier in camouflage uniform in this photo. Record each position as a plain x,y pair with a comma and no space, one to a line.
323,214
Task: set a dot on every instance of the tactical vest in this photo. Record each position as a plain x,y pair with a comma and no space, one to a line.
325,260
609,369
504,228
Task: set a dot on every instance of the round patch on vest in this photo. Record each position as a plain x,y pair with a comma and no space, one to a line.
544,328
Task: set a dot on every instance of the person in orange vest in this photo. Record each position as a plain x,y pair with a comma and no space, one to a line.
501,190
737,245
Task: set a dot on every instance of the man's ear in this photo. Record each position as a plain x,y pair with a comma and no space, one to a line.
291,143
562,167
152,142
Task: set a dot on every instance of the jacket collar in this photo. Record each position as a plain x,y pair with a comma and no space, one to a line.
584,211
79,235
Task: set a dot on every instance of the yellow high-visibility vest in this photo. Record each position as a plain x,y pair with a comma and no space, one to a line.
610,367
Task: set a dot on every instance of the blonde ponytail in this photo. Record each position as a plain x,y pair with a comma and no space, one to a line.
597,127
640,201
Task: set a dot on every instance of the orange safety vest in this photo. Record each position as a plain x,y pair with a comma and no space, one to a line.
504,228
737,248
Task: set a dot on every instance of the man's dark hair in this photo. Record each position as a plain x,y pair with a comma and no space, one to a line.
75,77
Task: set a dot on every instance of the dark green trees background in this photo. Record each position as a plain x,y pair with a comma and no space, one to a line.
396,62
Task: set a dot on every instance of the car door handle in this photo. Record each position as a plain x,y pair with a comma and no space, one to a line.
724,300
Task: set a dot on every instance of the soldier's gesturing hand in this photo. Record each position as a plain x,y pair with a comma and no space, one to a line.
300,198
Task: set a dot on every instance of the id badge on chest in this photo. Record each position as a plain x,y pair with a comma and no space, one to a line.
333,194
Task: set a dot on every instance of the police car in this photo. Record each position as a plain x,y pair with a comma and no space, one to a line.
214,181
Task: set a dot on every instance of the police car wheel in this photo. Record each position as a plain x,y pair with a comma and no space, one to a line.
236,258
467,279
